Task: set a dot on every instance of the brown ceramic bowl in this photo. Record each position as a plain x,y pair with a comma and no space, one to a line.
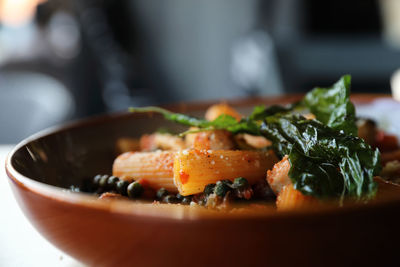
124,233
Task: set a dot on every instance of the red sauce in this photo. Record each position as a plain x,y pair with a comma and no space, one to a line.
184,177
143,182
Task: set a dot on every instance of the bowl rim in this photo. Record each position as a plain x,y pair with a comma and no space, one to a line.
167,211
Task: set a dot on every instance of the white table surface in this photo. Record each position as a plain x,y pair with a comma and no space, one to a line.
20,243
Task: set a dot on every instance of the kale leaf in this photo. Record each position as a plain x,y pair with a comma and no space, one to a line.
324,162
332,106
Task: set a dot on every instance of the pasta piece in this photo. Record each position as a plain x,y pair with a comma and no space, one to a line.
194,169
216,110
156,168
290,199
278,177
161,141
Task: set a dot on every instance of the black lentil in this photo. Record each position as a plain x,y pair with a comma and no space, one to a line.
103,181
96,179
186,200
112,182
122,187
135,190
162,192
170,199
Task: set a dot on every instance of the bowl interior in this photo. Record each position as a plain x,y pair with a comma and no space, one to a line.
70,155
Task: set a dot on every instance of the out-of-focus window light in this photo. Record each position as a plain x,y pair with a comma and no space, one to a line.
17,12
391,21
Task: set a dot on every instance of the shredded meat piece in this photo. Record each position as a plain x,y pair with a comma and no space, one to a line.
213,140
278,177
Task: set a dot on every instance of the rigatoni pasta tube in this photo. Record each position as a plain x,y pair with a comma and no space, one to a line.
194,169
154,167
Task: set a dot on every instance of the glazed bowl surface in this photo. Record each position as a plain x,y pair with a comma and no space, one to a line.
44,167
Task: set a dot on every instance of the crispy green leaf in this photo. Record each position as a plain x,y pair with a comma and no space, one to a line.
261,112
324,162
176,117
332,106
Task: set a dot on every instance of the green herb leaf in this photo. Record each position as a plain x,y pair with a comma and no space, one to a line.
176,117
225,122
332,106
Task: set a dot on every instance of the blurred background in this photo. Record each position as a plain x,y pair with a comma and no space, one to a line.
67,59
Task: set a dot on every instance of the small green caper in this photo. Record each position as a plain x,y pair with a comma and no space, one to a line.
103,181
209,189
96,179
240,182
122,187
162,192
112,182
186,200
135,189
170,199
221,189
227,182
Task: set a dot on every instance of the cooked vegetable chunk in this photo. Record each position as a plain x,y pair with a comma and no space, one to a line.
217,110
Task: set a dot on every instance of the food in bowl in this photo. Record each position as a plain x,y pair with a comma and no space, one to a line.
303,155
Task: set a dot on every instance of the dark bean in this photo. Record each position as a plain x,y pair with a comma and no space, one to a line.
122,187
88,185
209,189
179,196
162,192
186,200
112,182
96,179
103,181
263,191
135,189
240,182
221,189
170,199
